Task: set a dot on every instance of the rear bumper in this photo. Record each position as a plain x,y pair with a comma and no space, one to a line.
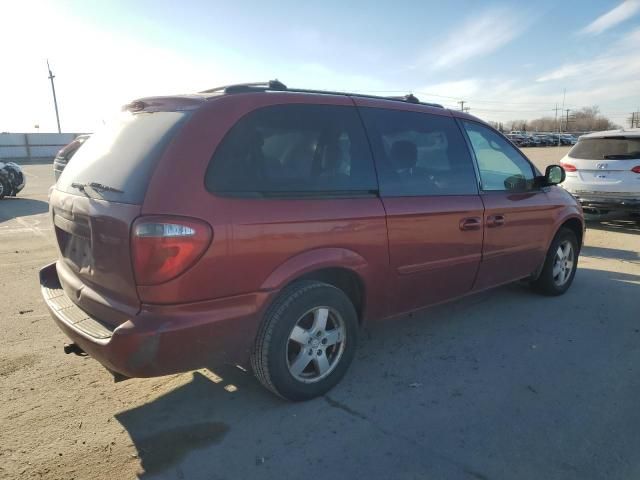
607,202
160,340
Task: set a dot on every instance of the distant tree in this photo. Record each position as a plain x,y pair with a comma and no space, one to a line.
587,119
590,119
518,125
497,125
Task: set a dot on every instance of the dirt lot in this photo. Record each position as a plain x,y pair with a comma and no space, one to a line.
501,385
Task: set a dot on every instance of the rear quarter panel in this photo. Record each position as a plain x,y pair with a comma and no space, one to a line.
254,238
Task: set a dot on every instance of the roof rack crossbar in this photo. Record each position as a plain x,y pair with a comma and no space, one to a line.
276,85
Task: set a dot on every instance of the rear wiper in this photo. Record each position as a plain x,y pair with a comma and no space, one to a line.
95,186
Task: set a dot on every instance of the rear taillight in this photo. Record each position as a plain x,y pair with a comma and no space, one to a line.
568,167
164,247
636,169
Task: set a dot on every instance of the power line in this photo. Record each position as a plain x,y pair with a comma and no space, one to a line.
460,104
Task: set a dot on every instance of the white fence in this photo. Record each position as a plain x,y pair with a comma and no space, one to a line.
32,146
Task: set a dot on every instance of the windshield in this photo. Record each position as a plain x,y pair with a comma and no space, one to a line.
606,148
121,156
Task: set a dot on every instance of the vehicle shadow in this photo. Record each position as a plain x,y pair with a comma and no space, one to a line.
12,207
456,391
624,225
187,418
613,253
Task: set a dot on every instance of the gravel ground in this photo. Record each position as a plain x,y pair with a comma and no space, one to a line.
501,385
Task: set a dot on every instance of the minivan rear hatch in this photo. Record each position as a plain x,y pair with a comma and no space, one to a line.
94,203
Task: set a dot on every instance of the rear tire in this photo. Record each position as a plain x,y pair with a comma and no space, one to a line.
560,264
306,342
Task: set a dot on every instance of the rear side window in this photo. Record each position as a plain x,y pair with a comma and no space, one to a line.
612,148
122,156
419,154
294,149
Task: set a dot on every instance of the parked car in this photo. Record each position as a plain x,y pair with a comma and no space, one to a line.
543,139
12,179
298,216
517,140
568,139
603,171
65,154
534,141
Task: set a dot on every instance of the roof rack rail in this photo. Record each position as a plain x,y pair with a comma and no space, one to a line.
410,98
278,86
248,87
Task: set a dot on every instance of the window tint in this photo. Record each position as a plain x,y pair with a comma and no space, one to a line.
294,149
419,154
501,165
123,155
611,148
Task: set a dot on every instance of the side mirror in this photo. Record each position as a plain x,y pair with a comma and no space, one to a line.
553,175
515,183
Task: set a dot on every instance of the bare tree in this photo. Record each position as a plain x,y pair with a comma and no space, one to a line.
587,119
497,125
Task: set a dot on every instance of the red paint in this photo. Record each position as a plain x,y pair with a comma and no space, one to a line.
407,252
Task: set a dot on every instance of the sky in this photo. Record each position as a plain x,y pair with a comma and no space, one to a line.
506,60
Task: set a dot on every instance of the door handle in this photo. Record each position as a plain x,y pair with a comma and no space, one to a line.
495,221
471,223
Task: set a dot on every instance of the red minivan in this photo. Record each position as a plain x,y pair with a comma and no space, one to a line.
256,224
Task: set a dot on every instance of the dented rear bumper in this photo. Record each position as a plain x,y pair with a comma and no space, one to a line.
160,339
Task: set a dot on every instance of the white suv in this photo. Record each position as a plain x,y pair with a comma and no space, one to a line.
603,171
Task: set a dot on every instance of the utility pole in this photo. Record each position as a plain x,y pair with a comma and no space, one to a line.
55,101
566,123
462,102
556,123
564,96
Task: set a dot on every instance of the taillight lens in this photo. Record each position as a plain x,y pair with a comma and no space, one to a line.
165,247
636,169
568,167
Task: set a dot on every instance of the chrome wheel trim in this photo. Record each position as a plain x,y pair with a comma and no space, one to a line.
316,344
563,263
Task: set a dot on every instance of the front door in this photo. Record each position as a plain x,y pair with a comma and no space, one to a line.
518,214
434,213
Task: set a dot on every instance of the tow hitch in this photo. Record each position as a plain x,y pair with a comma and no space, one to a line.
73,348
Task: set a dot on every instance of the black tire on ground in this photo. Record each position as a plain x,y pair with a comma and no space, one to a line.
546,284
269,358
12,181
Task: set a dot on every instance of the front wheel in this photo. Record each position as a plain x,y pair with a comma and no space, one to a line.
306,342
560,264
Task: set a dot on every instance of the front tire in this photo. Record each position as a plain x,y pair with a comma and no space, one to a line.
560,264
306,342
